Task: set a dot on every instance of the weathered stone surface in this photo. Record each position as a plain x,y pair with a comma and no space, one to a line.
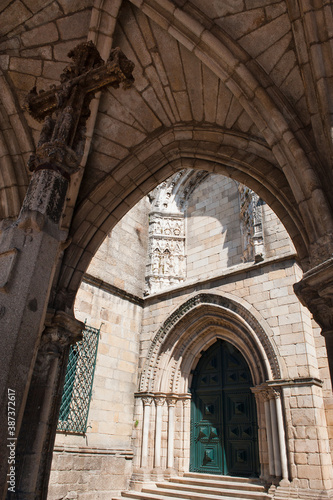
44,34
75,26
257,74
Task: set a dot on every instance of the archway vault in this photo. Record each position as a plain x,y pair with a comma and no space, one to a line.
247,160
192,328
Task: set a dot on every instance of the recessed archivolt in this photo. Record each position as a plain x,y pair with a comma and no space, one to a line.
195,325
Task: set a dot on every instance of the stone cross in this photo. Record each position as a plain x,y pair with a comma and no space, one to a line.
30,248
62,138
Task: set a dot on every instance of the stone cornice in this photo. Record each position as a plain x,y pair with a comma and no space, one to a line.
188,285
121,453
233,271
114,290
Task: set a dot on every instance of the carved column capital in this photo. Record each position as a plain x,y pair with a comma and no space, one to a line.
171,401
276,393
262,392
61,330
147,400
266,395
159,400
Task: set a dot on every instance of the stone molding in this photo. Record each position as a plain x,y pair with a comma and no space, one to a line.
117,452
114,290
226,304
162,396
267,389
218,279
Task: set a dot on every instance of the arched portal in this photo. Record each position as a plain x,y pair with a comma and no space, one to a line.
224,429
214,339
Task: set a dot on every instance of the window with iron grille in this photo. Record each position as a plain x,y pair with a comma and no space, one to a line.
76,396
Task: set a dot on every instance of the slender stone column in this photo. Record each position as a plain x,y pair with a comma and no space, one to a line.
282,440
159,402
275,436
147,401
38,429
269,434
171,430
186,433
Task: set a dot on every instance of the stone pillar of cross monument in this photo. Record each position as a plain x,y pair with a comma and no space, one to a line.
30,248
37,434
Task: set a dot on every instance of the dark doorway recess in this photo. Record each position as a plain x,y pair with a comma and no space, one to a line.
224,431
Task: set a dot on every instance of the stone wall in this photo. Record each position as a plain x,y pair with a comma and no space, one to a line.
214,240
266,290
121,259
213,227
110,297
98,464
87,464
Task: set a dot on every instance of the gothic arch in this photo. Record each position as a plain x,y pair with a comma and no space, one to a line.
246,160
194,326
277,168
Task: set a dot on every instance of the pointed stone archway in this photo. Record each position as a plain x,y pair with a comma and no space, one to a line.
169,370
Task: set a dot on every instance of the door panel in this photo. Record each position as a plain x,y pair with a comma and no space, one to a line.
223,418
208,449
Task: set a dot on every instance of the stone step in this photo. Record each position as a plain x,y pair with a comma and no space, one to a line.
195,486
236,483
157,495
201,493
200,475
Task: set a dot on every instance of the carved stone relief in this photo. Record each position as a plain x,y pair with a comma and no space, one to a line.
166,264
251,225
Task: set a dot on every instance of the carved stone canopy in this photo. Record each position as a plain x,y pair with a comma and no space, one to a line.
315,291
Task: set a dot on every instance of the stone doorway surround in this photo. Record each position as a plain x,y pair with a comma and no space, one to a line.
163,402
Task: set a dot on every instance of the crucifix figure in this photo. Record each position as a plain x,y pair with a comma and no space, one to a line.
30,248
70,102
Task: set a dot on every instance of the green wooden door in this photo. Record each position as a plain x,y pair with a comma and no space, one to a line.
223,414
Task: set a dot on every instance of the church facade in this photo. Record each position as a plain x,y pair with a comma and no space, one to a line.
206,362
166,242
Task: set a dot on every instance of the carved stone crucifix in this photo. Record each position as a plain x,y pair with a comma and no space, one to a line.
31,246
70,102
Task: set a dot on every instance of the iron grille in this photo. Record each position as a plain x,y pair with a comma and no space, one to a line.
76,396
